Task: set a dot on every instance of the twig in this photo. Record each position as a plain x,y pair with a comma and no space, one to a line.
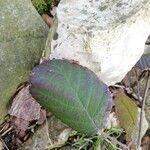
47,132
4,144
138,85
113,140
4,133
142,111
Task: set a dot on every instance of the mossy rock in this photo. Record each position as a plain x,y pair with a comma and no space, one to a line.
22,40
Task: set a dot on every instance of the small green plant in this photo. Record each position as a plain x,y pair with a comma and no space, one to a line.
95,142
42,5
84,142
115,131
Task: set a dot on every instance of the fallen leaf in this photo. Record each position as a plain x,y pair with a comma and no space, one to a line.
25,109
126,111
24,106
42,117
20,125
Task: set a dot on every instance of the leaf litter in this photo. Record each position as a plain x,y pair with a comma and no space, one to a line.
25,113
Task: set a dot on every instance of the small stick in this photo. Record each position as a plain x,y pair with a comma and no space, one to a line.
50,141
4,144
142,111
138,85
9,129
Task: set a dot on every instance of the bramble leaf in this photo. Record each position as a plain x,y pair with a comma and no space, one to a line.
73,93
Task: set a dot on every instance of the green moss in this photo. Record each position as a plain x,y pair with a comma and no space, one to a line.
21,47
42,5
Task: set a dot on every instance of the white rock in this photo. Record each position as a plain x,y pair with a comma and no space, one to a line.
106,36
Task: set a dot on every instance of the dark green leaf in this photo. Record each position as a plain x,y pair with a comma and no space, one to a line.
126,111
73,93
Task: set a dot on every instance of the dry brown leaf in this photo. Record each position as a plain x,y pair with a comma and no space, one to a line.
24,110
20,125
24,106
42,117
48,20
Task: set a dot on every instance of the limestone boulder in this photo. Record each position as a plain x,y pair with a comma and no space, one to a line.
106,36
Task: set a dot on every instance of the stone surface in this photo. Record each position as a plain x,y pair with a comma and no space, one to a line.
51,135
22,40
106,36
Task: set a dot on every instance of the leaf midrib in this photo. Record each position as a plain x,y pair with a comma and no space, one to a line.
76,93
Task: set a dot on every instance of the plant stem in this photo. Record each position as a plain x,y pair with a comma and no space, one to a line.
142,111
138,86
